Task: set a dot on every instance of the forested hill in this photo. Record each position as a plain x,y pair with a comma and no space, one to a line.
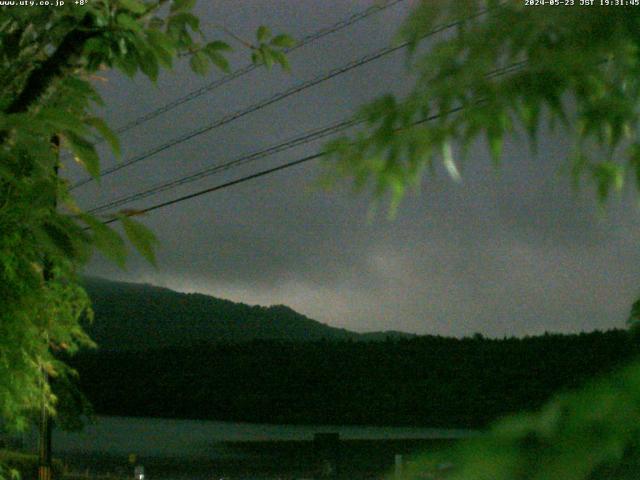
171,354
427,381
132,316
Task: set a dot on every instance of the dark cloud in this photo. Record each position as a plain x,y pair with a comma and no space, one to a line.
512,252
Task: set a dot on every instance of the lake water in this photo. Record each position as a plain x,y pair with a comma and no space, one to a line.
195,438
205,450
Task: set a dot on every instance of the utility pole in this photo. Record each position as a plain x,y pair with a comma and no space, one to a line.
44,450
45,424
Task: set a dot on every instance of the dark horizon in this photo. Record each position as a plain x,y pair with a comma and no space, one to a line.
363,332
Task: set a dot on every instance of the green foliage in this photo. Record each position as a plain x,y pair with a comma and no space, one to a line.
275,368
48,58
270,50
213,50
587,434
141,237
634,315
506,66
24,466
151,312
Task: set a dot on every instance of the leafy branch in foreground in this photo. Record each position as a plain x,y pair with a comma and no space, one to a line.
579,67
589,434
48,57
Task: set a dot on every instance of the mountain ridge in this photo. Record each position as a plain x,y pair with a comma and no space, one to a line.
135,316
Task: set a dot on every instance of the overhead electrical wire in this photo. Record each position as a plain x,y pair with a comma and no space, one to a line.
252,176
288,144
214,169
317,35
307,40
224,185
241,113
269,101
320,133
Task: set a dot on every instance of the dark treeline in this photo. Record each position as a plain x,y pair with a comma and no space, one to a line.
426,381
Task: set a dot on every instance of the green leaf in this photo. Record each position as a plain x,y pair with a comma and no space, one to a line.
161,40
577,164
85,153
530,113
218,60
42,195
148,61
83,89
634,163
6,174
213,50
60,120
607,175
182,5
199,63
163,46
164,58
267,57
217,46
127,63
283,41
282,59
134,6
106,240
109,135
141,237
634,315
60,239
495,140
156,23
263,33
393,183
96,46
128,22
181,20
102,16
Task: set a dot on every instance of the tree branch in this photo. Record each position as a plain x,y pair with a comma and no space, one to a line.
237,38
53,67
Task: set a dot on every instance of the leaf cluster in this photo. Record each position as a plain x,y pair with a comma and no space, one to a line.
584,435
49,58
506,68
271,49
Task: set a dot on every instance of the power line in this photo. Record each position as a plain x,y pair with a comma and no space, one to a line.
289,144
271,100
259,174
313,37
307,40
212,170
283,146
302,160
241,113
224,185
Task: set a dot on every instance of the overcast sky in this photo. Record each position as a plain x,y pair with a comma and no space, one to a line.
513,252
